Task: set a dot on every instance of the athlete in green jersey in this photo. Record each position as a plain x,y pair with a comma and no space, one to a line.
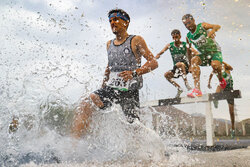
179,52
229,87
210,52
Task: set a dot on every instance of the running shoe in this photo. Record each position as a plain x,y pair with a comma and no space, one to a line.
194,93
223,83
179,92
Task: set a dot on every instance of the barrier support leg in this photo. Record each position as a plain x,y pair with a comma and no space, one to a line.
209,124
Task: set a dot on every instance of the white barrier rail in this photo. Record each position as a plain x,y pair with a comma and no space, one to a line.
206,98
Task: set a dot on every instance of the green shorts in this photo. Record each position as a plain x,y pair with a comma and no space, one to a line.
206,59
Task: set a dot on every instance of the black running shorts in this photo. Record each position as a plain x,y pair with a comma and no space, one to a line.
129,100
177,73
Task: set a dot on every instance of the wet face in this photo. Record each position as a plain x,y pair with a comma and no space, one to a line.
118,25
189,24
176,37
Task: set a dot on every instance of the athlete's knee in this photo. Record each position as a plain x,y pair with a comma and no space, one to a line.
168,75
95,100
195,61
216,64
180,65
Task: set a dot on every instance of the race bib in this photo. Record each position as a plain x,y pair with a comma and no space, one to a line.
179,57
117,82
200,41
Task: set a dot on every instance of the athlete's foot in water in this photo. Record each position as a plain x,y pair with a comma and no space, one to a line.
232,133
216,103
179,92
194,93
223,83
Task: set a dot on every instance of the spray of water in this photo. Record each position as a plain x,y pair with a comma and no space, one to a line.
43,75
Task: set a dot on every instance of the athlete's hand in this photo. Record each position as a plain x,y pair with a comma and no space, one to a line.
126,75
157,56
211,34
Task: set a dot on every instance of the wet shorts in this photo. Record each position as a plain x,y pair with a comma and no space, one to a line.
177,72
206,59
129,100
230,101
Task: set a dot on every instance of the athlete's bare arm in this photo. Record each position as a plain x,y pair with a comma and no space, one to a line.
191,51
139,48
194,52
209,81
214,28
227,66
107,71
162,51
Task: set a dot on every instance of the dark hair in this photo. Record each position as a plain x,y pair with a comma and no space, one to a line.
187,16
175,31
119,10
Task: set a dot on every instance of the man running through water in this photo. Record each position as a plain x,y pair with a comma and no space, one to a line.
226,68
210,51
123,74
179,52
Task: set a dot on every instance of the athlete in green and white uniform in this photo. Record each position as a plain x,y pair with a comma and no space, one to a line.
179,52
226,73
202,36
208,47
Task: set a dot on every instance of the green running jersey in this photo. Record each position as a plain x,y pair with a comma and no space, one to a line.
201,41
179,54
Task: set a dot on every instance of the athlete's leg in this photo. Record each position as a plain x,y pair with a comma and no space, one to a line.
84,112
169,76
216,64
216,102
183,68
217,67
218,89
195,62
232,116
231,110
129,101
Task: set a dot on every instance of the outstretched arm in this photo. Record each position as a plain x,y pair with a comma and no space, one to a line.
214,28
106,76
189,52
227,66
107,71
162,51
